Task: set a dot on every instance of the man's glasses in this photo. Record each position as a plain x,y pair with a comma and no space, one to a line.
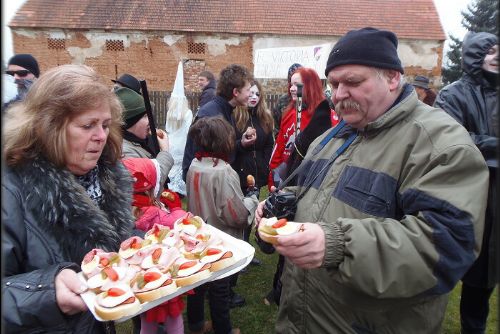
20,73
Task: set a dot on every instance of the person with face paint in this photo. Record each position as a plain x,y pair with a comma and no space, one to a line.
24,68
473,102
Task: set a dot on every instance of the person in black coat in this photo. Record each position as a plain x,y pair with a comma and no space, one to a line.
473,102
62,198
206,81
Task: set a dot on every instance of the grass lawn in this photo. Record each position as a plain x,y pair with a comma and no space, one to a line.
257,318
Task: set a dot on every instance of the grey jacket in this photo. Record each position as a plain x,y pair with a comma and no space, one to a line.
50,223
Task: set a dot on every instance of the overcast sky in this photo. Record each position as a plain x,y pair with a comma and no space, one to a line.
449,12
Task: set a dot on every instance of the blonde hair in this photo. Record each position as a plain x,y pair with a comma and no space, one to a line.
241,114
37,126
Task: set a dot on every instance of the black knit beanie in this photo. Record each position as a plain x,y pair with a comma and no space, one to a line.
27,61
366,46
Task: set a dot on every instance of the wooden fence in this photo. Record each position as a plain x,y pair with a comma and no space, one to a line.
160,100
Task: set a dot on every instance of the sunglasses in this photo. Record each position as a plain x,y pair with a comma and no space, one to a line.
20,73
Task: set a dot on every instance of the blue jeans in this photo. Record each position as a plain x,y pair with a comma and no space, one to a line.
218,301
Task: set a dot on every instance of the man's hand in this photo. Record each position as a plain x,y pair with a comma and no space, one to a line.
306,248
68,290
249,137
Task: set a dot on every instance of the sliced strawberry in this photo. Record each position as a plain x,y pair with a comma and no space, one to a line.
280,223
213,251
104,262
115,292
151,276
187,265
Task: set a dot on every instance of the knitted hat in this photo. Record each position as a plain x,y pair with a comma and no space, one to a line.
129,81
421,81
27,61
292,69
367,46
133,106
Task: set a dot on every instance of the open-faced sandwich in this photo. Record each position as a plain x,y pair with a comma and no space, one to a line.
270,228
153,284
132,245
189,225
160,256
218,256
110,276
186,272
157,233
95,260
117,302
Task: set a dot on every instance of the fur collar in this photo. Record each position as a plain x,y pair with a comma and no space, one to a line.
64,210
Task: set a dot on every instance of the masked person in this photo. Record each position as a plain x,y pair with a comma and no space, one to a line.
24,68
391,202
473,102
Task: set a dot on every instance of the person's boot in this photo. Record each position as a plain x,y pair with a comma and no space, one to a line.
255,261
236,300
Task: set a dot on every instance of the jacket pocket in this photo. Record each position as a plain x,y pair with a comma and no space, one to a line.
373,193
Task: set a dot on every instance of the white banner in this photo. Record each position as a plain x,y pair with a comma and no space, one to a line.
273,63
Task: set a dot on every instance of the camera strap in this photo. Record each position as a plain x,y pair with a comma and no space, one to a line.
316,150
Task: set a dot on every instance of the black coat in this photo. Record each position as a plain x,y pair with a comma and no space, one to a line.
254,160
207,94
50,223
473,102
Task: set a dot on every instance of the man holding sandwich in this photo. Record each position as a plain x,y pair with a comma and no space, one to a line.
392,223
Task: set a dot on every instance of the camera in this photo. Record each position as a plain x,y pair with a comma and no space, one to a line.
281,205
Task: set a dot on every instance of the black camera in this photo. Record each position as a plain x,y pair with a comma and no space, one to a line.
281,205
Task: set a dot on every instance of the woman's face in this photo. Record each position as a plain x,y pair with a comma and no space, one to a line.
141,128
86,135
296,78
254,96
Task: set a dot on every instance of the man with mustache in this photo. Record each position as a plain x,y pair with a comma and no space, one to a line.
391,202
24,68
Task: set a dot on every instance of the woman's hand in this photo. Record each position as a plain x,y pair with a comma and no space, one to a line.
163,140
68,290
249,137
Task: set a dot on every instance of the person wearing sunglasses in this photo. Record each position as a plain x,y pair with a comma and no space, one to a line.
24,69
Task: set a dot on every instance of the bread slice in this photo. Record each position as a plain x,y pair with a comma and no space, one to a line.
117,312
224,262
167,288
269,233
202,274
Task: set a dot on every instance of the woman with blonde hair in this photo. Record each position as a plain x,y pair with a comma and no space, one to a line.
65,193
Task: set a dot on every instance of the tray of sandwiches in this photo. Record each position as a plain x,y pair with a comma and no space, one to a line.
146,272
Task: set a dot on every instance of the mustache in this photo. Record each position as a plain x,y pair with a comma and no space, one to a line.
347,104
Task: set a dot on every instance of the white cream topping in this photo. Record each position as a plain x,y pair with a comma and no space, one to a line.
153,284
215,257
89,267
287,229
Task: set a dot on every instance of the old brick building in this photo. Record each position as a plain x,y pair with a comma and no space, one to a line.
148,38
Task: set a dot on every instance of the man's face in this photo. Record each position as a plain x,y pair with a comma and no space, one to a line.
202,82
21,75
361,94
490,62
241,96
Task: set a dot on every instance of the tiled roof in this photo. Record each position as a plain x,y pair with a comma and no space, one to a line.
412,19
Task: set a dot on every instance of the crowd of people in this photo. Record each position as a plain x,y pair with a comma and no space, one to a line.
393,185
